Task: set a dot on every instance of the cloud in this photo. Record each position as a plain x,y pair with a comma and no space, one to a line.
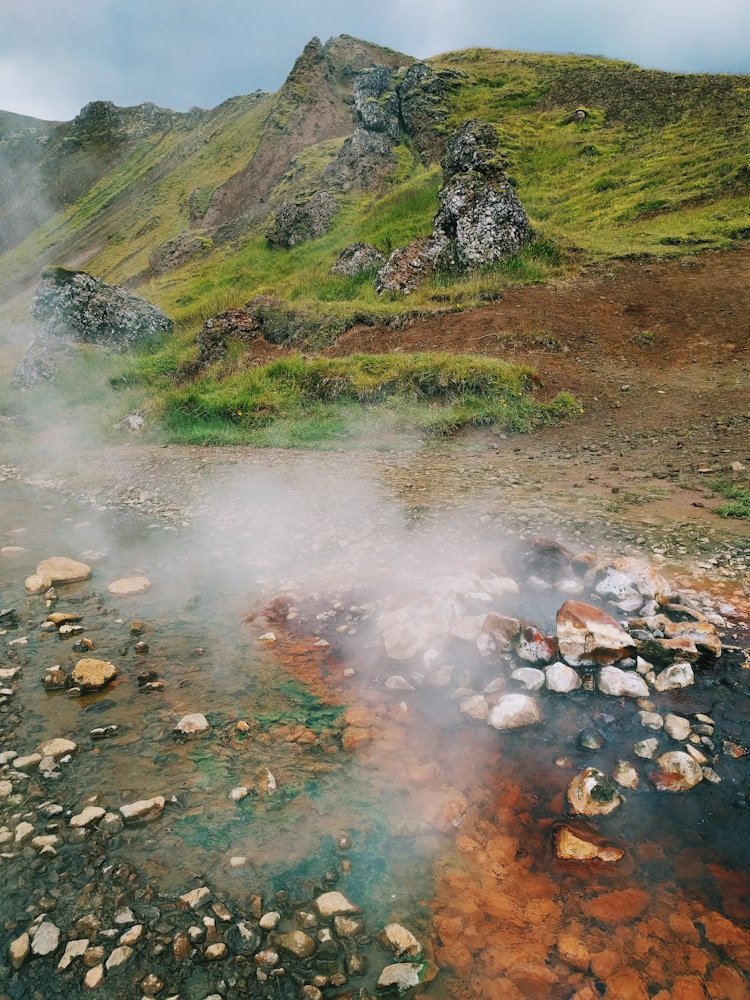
57,55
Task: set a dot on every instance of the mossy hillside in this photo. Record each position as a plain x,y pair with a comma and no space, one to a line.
319,400
657,165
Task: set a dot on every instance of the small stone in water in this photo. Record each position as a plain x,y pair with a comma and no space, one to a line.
590,739
191,725
646,748
129,585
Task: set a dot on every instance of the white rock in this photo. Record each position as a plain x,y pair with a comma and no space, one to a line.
515,711
128,586
646,748
561,678
239,793
403,976
195,899
531,678
677,726
143,810
192,725
269,921
45,939
651,720
681,765
19,950
87,816
621,683
73,949
57,747
625,774
23,832
679,675
399,941
334,904
628,577
475,706
119,956
94,977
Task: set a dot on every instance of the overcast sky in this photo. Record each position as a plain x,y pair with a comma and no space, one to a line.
57,55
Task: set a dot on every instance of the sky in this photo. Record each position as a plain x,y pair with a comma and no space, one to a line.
57,55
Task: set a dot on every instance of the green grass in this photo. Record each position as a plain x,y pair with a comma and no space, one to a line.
738,497
318,401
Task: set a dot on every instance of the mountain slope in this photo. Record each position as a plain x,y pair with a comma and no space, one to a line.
608,160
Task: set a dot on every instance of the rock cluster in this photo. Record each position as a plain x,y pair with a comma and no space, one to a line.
503,671
480,221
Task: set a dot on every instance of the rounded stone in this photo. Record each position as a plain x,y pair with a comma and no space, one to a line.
514,711
60,569
128,586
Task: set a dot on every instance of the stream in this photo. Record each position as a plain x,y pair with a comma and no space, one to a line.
316,775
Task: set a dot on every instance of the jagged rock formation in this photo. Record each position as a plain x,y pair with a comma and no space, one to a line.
356,258
421,106
174,253
313,105
73,307
387,113
480,221
296,223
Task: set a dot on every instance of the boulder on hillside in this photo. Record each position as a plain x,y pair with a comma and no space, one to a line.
421,94
297,222
174,253
73,307
76,306
355,258
480,222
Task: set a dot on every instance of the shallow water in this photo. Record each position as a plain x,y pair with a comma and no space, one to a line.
450,823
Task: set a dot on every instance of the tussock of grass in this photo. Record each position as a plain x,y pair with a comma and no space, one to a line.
738,495
299,401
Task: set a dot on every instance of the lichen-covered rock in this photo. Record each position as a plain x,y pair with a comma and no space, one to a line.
678,772
480,220
422,97
409,267
75,306
356,258
174,253
621,683
296,223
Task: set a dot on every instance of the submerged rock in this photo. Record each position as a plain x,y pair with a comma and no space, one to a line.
571,847
129,585
678,772
192,725
402,977
90,674
591,794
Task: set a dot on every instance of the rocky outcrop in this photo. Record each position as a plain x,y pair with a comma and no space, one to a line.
367,157
296,223
174,253
355,258
75,306
423,114
480,221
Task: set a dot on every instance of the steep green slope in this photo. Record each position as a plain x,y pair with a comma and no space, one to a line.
608,160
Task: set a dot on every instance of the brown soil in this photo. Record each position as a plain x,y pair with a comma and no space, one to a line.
657,353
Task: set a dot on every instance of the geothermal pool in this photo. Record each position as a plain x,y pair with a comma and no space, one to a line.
328,767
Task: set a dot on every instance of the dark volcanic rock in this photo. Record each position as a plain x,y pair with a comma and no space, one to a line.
74,306
295,223
409,267
356,258
421,95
